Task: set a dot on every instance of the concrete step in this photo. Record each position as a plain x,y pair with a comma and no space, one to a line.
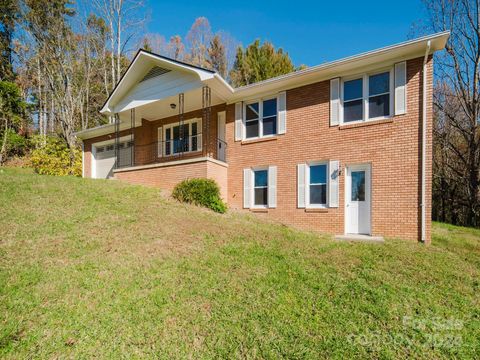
358,237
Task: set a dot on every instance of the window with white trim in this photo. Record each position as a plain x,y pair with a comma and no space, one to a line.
261,118
367,97
260,188
182,138
316,180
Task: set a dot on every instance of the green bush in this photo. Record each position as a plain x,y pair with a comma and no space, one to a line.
55,158
17,145
203,192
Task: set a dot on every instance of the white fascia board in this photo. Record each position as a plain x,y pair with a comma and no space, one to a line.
386,55
393,53
104,130
139,65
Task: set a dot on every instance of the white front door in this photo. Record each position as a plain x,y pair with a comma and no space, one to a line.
221,144
358,199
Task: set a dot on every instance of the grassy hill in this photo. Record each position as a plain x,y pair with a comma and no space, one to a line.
102,269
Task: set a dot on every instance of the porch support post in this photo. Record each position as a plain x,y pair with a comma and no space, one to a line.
181,121
206,113
132,138
117,141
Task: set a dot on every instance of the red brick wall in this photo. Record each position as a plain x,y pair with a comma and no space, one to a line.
393,149
146,135
166,177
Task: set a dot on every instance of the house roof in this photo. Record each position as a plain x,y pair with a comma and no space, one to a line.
145,60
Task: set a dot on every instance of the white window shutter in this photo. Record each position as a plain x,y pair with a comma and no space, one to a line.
247,187
272,186
301,185
333,179
160,142
239,121
335,102
401,88
282,113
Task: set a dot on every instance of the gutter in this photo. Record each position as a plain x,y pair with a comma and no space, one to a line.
424,142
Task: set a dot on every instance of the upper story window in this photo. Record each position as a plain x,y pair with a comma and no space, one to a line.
379,95
261,118
353,100
367,97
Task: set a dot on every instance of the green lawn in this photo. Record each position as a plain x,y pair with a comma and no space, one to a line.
102,269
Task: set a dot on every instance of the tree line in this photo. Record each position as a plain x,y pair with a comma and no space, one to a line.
456,107
64,59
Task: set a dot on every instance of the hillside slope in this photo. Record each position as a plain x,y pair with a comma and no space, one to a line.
103,269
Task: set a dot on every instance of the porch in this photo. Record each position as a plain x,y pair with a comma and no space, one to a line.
187,135
167,123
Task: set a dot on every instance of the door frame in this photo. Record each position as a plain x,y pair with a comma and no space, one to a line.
221,119
349,167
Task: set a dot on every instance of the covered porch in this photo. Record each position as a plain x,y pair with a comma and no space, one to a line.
163,108
179,127
167,123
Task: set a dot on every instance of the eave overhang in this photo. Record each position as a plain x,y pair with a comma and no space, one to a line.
385,56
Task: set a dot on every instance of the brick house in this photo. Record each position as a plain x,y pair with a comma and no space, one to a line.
344,147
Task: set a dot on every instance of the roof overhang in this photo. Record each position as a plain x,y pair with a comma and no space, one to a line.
347,66
192,77
144,60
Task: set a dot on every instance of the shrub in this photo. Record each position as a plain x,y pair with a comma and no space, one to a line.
203,192
55,158
17,145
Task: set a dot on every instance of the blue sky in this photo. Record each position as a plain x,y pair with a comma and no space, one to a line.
311,31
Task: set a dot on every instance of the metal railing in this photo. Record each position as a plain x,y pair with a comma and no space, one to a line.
175,149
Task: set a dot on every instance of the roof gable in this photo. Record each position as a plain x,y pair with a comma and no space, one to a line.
163,76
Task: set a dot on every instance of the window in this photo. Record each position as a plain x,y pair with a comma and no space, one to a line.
367,97
260,196
270,117
318,185
353,100
261,118
252,120
379,95
182,138
358,186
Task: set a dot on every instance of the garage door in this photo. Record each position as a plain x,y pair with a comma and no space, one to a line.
105,158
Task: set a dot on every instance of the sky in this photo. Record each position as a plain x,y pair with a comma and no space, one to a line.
312,32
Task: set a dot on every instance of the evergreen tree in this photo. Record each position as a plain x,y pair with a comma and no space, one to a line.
12,107
259,62
8,16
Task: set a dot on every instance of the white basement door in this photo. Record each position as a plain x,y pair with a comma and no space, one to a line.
105,159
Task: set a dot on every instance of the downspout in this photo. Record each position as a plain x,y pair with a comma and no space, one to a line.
424,141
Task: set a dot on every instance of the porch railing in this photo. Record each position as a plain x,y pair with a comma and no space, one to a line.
171,150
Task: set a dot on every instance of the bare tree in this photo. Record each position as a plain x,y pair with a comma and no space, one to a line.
198,40
176,48
156,43
125,20
457,108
